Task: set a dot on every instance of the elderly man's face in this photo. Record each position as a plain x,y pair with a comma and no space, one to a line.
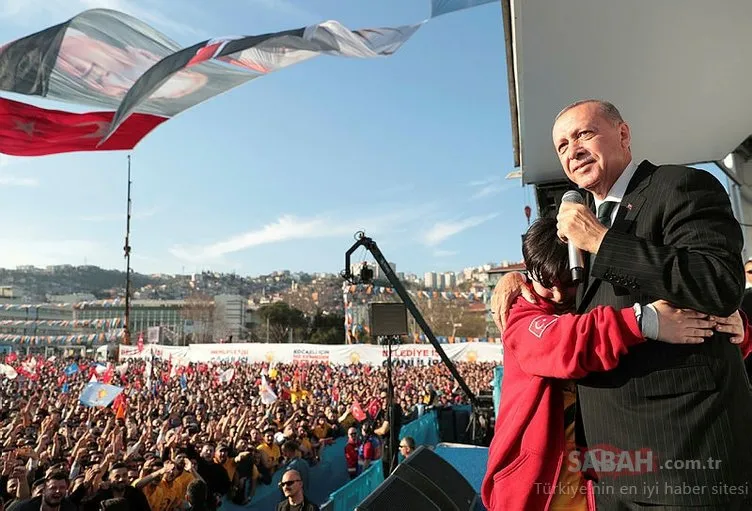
593,150
748,272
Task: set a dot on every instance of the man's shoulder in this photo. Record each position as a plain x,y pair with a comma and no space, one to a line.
683,173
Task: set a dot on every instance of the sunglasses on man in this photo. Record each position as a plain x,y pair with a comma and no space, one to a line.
284,484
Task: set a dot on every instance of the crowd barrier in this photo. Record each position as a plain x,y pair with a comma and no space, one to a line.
498,376
353,493
425,431
325,477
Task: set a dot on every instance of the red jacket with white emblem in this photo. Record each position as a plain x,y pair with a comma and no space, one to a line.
540,349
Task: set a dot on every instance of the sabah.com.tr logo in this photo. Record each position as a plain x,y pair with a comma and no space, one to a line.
607,460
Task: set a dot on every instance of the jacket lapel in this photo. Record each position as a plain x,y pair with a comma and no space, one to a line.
626,214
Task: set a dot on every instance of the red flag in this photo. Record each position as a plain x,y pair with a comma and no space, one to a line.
374,407
357,412
27,130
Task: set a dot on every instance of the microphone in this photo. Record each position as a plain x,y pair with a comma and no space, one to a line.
576,260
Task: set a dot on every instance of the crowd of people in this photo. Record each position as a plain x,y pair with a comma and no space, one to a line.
191,436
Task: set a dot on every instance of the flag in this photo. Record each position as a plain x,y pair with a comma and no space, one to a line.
265,391
99,394
226,376
357,412
107,59
8,372
27,130
374,407
71,369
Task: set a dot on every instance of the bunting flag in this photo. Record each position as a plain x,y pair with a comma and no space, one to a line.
107,59
103,337
115,302
75,323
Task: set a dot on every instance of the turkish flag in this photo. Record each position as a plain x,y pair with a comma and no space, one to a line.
27,130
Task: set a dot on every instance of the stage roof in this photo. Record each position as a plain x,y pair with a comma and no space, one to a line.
677,70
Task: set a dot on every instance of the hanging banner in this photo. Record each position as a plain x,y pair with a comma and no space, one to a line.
367,354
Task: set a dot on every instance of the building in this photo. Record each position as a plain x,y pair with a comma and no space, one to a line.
449,280
231,317
431,280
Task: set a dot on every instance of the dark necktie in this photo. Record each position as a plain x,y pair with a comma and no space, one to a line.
604,213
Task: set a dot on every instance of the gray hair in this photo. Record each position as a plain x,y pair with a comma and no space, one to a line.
608,110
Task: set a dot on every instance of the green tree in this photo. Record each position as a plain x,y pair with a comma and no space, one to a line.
280,319
327,329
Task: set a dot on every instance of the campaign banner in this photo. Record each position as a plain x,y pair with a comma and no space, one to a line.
315,353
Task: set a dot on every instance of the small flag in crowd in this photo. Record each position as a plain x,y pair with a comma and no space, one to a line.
99,394
8,372
71,369
267,394
357,412
226,376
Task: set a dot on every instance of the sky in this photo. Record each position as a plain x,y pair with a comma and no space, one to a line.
281,172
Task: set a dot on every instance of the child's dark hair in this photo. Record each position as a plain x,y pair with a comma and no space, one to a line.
546,256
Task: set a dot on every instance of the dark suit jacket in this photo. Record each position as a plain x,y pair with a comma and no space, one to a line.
674,238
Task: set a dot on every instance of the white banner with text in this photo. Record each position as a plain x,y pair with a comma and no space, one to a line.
315,353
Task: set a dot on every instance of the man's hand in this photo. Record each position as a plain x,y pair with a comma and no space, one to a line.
509,287
731,325
681,326
576,223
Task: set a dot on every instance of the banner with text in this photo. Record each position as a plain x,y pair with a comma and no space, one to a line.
315,353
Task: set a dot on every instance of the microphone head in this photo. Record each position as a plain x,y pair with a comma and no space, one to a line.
573,196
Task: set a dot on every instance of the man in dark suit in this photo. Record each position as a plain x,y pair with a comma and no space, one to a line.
658,232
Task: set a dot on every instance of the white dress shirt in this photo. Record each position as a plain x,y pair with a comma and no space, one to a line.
619,188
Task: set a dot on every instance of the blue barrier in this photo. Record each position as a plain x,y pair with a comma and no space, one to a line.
326,476
329,481
353,493
498,376
425,430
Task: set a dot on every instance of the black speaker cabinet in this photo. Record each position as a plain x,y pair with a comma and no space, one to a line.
388,319
425,482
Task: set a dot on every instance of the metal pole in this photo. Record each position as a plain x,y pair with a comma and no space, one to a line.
370,245
127,249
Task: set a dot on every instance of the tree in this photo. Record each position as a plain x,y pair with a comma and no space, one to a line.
327,329
452,318
281,319
199,311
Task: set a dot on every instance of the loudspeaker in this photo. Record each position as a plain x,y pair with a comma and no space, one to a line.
424,481
388,319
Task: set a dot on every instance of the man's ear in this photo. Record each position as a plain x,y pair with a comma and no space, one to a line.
625,135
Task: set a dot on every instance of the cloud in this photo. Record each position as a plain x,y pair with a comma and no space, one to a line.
8,180
289,228
490,186
20,252
441,231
